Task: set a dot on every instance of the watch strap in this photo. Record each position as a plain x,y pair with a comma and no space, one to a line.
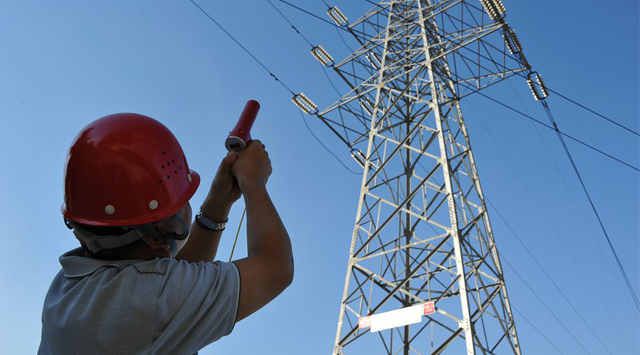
207,223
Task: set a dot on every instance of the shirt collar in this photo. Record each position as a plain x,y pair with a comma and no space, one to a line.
75,264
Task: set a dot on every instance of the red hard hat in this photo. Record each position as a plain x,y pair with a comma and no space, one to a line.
126,169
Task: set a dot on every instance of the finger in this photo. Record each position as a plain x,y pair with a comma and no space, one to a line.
228,161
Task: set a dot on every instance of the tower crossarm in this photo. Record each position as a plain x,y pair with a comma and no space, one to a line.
422,233
469,51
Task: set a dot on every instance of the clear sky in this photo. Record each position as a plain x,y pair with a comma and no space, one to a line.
66,63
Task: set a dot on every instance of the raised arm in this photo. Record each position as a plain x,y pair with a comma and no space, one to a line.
268,268
203,243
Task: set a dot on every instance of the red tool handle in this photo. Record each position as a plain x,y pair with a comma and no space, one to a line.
241,134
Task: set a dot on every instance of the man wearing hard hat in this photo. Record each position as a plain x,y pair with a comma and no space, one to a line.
144,280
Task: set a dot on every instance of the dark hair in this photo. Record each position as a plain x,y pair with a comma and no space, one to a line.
100,230
108,254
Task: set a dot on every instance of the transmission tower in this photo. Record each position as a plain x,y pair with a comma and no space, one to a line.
424,274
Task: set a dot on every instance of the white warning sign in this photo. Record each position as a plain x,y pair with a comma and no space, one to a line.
396,318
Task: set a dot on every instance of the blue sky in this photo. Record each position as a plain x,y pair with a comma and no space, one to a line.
64,64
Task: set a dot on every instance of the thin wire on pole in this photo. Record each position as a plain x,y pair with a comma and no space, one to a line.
581,142
588,109
312,14
335,156
634,296
547,109
577,140
293,27
246,50
326,4
275,77
568,99
538,330
553,314
544,271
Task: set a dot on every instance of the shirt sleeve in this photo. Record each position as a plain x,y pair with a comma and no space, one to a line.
197,305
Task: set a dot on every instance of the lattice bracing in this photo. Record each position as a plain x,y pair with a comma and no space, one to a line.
422,231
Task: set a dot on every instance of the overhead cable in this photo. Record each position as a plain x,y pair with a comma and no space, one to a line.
566,98
634,296
486,96
577,140
327,148
293,27
275,77
594,112
538,330
312,14
544,271
553,314
258,61
559,132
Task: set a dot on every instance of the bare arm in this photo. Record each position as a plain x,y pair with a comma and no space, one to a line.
203,243
268,268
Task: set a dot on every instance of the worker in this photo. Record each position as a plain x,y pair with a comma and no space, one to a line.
143,280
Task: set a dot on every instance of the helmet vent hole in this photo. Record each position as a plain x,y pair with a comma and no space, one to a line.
109,210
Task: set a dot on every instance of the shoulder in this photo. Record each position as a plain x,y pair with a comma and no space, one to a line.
184,274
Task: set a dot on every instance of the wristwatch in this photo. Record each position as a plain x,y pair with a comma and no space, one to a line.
209,224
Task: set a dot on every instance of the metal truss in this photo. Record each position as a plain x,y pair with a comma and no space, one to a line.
422,231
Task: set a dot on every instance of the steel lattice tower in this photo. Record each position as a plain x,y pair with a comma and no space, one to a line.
422,232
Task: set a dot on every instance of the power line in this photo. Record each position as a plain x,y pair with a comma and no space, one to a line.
559,132
299,32
555,284
575,168
312,14
566,329
510,107
538,330
577,140
326,4
573,101
275,77
634,296
258,61
335,156
343,28
584,107
293,27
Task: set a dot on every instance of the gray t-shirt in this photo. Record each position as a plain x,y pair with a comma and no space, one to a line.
159,306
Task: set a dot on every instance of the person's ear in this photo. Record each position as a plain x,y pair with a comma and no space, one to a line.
155,243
